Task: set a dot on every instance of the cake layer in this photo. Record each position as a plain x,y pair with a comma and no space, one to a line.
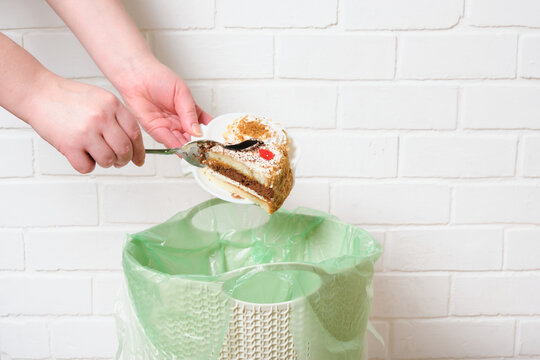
238,165
231,173
238,189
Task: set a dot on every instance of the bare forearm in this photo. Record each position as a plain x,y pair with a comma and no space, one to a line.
108,34
22,79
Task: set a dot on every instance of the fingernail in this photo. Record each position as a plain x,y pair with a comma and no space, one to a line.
196,129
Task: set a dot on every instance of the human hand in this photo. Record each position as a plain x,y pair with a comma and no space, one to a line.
87,124
163,104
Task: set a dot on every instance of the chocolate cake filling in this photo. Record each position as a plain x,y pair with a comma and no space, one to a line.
234,175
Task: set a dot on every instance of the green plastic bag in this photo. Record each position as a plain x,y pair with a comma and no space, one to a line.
228,281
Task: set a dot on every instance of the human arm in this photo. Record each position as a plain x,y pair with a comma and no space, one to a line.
159,99
85,123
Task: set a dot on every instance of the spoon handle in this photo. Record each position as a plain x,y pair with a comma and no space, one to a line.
162,151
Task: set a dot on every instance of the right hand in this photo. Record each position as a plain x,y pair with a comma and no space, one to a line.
87,124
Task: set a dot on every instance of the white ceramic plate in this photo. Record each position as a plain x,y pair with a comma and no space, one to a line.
214,131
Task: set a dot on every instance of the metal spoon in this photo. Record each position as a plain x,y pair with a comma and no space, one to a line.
194,152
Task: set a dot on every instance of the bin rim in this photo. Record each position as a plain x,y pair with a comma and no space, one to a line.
128,259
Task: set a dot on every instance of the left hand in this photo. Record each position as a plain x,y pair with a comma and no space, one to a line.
163,104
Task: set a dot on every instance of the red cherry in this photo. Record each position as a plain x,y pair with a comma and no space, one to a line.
266,154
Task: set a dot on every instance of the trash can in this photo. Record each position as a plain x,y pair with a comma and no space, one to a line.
228,281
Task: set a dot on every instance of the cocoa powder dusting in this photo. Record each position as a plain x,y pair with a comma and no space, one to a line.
253,129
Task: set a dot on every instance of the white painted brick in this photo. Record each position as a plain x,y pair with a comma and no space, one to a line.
310,106
531,156
24,339
171,14
33,294
14,35
391,203
450,338
51,162
149,202
105,292
203,97
496,294
399,107
377,350
530,333
15,156
364,156
74,250
397,14
8,120
277,13
171,166
504,13
27,14
61,53
457,156
467,56
216,56
11,250
444,249
406,296
48,204
505,107
497,203
309,193
522,247
530,56
83,338
335,56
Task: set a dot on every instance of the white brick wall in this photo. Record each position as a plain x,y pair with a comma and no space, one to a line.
216,56
530,56
398,107
78,338
163,14
305,106
522,247
450,338
457,56
504,13
457,156
58,295
413,14
16,156
277,13
24,339
11,250
344,56
419,120
501,107
444,249
53,49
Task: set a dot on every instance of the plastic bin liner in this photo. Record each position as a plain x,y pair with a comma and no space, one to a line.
228,281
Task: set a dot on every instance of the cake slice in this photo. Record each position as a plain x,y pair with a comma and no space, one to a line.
261,173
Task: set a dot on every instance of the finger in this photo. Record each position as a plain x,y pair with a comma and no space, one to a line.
81,161
130,126
186,136
204,117
167,138
186,109
120,143
100,151
181,136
